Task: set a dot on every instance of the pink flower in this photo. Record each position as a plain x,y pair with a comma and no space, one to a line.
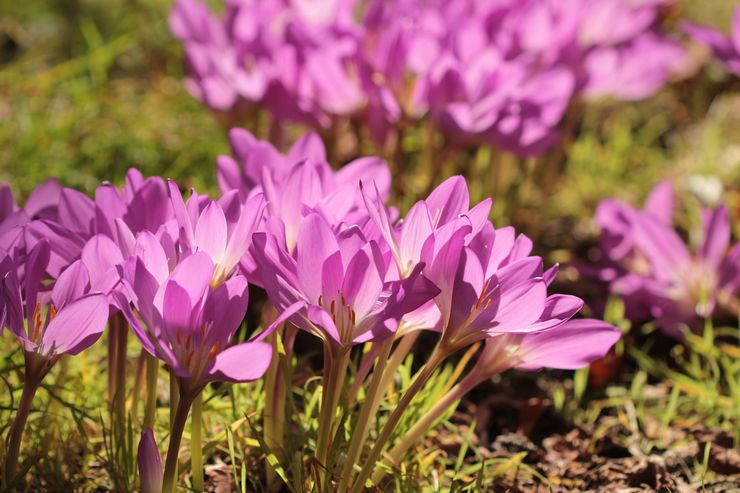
650,266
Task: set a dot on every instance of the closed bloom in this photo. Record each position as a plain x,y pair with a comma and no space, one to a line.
150,463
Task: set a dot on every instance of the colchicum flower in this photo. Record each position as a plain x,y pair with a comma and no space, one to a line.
299,181
340,281
652,269
187,323
494,73
221,228
149,463
65,320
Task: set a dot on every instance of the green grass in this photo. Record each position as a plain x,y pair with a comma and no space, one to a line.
91,88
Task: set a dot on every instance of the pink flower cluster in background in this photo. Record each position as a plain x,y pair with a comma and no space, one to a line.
491,73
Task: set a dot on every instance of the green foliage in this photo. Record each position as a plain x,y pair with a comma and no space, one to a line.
89,89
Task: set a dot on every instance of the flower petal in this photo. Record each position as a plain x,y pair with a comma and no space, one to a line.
244,362
211,232
77,326
569,346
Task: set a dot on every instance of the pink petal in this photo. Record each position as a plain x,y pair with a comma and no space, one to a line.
211,232
70,285
244,362
569,346
316,243
77,326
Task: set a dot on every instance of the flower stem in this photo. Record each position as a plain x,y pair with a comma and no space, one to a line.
196,442
403,348
335,368
421,378
139,377
152,368
119,328
430,417
178,426
112,353
274,413
367,411
365,366
15,436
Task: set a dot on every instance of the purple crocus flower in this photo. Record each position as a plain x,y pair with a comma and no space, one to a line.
65,320
651,268
279,54
634,70
725,48
220,228
339,282
187,323
253,158
427,222
48,323
586,340
498,102
297,182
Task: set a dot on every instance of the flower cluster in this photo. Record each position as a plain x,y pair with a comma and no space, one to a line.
490,73
725,48
335,262
647,263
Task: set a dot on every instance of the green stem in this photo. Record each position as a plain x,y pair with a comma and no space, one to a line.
335,368
196,443
112,352
274,413
139,377
367,411
366,365
421,378
425,423
403,348
15,436
119,398
176,430
152,368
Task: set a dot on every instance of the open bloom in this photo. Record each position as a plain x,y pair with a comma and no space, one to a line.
427,223
142,204
649,265
339,281
221,228
187,323
725,48
279,54
300,181
66,320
